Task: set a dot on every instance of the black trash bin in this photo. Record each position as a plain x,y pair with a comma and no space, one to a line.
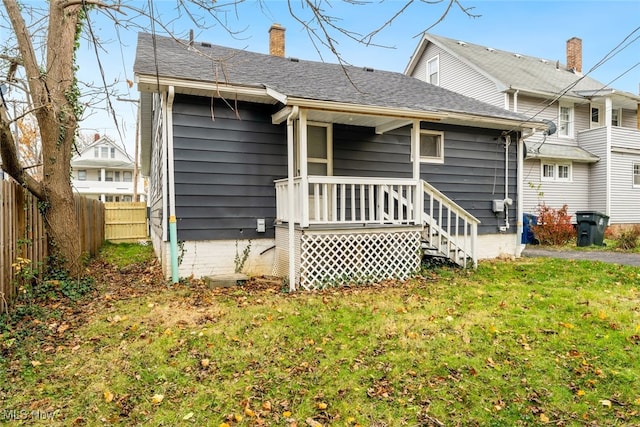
591,226
528,221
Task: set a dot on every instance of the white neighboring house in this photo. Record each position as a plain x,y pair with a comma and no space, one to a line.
104,171
592,161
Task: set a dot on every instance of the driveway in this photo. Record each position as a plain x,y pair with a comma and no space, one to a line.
604,256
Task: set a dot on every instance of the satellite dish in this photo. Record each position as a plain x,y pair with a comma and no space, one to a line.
551,125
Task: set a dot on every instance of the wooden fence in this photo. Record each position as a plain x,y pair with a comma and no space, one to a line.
22,233
125,221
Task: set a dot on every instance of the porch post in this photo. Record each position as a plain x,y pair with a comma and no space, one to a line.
304,170
415,151
291,200
607,117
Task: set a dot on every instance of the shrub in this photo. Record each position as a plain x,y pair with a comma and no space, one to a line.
554,226
627,237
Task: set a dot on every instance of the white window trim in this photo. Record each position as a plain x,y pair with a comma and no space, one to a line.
571,123
430,159
633,168
556,174
428,75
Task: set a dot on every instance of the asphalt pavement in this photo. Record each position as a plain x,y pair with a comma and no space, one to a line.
604,256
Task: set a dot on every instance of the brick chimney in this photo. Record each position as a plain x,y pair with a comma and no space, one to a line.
574,54
96,136
276,40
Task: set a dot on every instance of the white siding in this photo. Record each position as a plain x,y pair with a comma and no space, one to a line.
457,76
574,194
582,117
538,109
625,138
625,199
594,141
629,119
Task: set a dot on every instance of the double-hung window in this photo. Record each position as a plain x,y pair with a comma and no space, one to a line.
636,175
431,146
565,120
556,172
433,71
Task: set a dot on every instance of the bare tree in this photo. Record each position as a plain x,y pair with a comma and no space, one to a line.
40,59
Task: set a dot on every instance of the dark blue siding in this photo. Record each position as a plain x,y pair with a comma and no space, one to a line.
472,174
225,168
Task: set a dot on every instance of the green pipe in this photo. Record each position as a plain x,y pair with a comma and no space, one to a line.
173,239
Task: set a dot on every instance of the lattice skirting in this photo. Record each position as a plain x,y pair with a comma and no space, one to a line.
281,260
332,258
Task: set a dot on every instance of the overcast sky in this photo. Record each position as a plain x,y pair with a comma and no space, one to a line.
535,28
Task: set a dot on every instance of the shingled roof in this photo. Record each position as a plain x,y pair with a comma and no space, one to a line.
204,63
511,70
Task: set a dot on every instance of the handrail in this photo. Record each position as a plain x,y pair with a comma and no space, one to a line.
430,189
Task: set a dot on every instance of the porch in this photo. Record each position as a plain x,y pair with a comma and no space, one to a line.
365,229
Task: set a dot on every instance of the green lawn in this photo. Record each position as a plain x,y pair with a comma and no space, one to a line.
530,342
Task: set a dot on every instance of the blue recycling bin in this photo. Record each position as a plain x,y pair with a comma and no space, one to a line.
528,221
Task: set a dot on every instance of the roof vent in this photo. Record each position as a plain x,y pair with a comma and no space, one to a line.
294,60
205,44
544,61
461,43
490,49
369,69
517,55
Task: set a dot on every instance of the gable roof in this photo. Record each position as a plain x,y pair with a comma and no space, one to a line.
267,78
509,70
82,160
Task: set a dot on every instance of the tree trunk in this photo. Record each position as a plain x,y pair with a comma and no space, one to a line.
54,94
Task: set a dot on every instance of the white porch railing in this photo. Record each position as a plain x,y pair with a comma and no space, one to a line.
341,200
448,230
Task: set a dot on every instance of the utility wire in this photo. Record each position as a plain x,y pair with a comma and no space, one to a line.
613,52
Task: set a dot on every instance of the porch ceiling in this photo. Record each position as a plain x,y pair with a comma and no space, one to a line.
379,122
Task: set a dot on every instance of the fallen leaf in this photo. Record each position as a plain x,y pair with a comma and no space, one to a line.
237,418
157,399
580,392
321,405
188,416
249,412
35,363
108,396
606,403
312,423
204,363
544,418
266,406
287,414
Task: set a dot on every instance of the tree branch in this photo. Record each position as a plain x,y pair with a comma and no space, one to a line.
25,46
9,155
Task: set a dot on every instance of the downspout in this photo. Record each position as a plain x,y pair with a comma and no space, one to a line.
520,206
290,196
507,142
173,229
507,200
